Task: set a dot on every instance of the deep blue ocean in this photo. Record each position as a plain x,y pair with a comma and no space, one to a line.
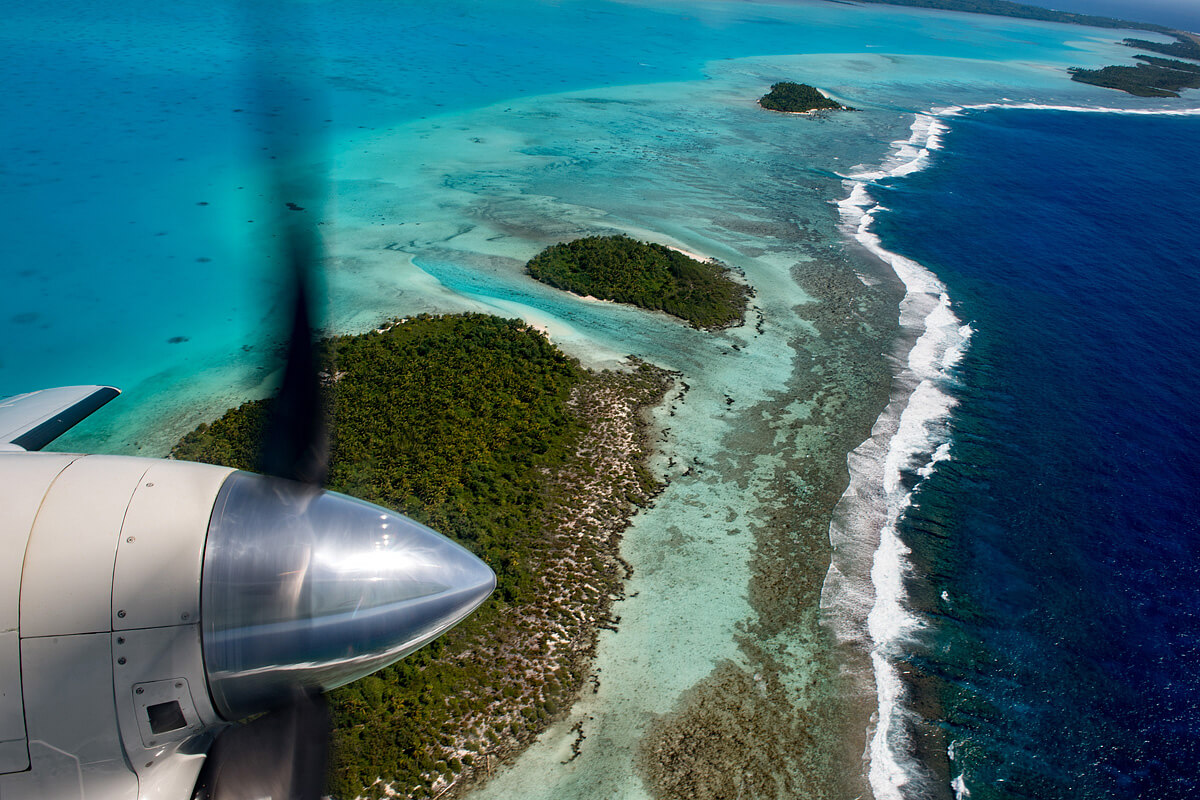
1057,553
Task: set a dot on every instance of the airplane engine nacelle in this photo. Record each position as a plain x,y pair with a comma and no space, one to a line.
104,613
145,604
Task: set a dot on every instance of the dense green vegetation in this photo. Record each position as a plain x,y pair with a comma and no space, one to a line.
1169,63
646,275
1155,77
447,419
796,97
1159,78
473,425
1183,46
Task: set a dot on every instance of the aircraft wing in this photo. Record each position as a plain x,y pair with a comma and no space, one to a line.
31,421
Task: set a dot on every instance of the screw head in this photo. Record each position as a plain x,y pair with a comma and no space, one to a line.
139,690
185,615
121,660
121,613
131,539
120,640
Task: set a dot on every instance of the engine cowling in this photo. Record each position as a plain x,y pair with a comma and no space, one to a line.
192,596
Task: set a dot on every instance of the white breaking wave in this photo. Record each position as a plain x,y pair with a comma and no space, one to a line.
1154,112
961,792
909,438
863,599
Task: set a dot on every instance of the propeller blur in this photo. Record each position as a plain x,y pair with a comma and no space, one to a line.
146,604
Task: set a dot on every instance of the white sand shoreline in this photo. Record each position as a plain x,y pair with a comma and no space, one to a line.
690,254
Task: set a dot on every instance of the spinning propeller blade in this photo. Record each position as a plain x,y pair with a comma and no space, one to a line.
305,590
283,753
296,441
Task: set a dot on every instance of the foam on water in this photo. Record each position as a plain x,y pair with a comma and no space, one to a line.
1156,112
864,598
1074,369
866,606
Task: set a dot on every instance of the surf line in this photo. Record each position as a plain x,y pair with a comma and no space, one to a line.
863,599
953,111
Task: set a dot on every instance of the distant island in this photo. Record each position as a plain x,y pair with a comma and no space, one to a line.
1153,78
797,98
1186,45
482,429
646,275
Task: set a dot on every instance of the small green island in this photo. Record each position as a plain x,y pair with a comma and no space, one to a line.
1154,77
797,98
646,275
479,427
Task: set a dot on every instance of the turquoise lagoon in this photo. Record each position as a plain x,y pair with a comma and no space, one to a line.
459,140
